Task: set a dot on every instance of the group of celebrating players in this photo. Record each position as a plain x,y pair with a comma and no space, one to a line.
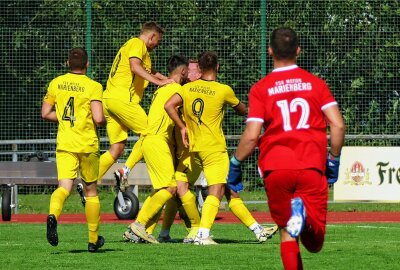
182,135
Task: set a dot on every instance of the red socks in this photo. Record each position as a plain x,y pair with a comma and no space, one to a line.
290,254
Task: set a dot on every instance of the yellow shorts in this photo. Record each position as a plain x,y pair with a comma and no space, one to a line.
121,117
158,155
215,166
188,168
68,165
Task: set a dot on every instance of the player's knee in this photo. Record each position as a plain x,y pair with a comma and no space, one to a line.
182,189
315,248
172,190
313,244
91,189
117,149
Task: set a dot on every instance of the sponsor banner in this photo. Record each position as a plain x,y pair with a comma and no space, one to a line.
368,174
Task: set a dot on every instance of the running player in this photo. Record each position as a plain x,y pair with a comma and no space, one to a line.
74,101
203,110
130,74
293,106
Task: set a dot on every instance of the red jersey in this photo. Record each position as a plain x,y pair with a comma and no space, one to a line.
290,102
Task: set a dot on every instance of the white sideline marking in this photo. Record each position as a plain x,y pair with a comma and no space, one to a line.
363,226
9,244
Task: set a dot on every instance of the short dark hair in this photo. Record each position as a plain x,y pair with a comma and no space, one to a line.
208,60
284,43
176,61
77,58
152,26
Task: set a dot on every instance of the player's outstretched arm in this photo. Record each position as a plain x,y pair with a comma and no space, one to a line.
137,69
158,75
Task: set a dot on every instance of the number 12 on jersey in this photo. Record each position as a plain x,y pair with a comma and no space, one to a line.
287,108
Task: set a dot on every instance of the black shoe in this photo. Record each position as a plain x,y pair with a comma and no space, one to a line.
52,235
94,247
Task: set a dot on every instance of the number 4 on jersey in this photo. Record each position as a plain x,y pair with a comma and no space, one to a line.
69,112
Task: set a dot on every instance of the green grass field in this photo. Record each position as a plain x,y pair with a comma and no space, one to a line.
348,246
356,246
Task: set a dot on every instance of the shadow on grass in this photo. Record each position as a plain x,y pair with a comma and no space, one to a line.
233,241
77,251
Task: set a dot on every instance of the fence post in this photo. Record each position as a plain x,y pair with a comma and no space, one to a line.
263,22
89,36
14,148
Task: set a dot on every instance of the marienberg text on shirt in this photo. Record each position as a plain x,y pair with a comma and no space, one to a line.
202,90
290,85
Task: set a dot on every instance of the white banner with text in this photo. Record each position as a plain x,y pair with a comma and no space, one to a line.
368,174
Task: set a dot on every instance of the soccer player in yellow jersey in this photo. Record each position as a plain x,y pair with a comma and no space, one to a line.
157,148
130,74
187,172
74,101
203,103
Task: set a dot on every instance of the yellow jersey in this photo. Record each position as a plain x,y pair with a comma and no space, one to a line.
203,110
121,83
158,121
71,94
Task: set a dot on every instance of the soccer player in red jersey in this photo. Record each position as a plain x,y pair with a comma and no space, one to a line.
294,107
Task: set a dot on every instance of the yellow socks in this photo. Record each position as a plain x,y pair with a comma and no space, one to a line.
152,224
240,210
92,211
57,201
106,161
209,212
136,154
189,204
171,208
155,204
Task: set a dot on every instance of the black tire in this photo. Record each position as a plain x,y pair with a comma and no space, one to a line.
6,204
132,203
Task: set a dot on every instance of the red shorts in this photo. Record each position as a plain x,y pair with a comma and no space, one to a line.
310,185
